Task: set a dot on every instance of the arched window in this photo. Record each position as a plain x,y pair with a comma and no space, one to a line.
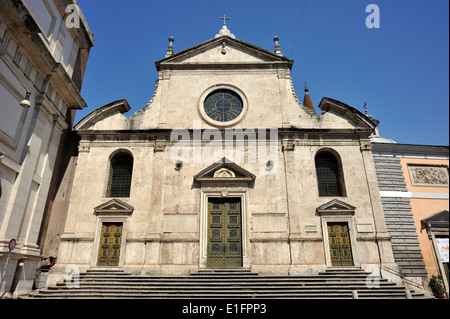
120,175
329,175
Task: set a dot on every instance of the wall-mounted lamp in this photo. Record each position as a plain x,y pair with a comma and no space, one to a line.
26,101
270,165
178,165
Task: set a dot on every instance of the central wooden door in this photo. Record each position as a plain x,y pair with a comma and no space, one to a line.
110,242
224,233
340,248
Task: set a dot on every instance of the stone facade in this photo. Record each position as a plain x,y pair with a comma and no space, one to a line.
41,56
181,161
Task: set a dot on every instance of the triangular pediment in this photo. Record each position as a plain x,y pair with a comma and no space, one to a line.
224,171
221,51
336,206
114,206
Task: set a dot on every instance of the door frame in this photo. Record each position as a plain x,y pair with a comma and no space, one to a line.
224,193
109,219
351,232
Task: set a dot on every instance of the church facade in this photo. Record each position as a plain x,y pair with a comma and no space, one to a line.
224,168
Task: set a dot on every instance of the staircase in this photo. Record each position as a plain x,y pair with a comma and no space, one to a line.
224,284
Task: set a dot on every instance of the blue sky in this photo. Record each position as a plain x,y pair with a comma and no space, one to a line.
401,70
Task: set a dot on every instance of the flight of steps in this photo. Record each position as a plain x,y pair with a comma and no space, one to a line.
224,284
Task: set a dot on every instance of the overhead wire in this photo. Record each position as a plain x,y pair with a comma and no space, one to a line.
298,27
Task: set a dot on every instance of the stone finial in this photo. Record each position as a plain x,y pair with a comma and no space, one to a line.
225,32
170,48
277,46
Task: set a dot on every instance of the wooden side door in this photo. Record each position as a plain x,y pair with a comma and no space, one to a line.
340,247
110,243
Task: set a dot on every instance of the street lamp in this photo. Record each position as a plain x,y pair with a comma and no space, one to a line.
26,101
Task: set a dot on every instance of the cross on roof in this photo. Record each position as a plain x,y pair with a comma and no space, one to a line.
224,18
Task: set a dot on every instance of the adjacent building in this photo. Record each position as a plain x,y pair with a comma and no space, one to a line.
42,64
414,188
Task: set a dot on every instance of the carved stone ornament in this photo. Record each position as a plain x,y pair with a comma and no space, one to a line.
223,51
424,175
223,172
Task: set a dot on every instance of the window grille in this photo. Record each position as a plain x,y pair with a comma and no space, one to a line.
328,175
120,176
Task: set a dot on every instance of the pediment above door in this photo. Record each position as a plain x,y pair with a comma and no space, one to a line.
114,207
336,207
224,171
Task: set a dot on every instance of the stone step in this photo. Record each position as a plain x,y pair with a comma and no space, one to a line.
339,295
103,273
344,269
224,273
321,278
95,293
222,270
223,291
256,281
191,296
212,289
345,273
233,284
224,287
110,272
150,279
107,269
224,283
360,277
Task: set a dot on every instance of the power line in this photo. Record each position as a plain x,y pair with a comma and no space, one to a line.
298,27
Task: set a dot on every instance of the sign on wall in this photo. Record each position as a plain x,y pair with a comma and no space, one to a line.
442,244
